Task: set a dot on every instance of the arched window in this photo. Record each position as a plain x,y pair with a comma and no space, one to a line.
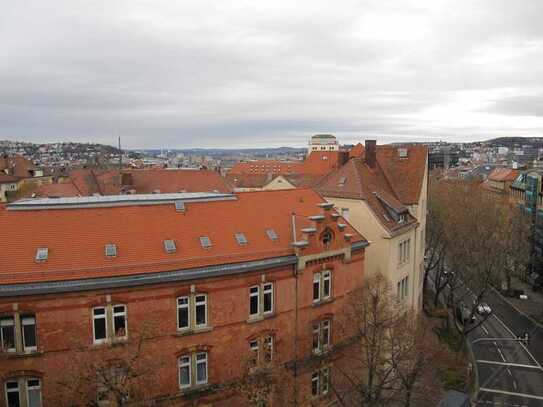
19,388
327,238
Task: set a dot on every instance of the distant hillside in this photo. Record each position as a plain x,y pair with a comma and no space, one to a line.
519,141
226,151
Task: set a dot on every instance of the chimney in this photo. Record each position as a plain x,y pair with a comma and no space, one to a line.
371,146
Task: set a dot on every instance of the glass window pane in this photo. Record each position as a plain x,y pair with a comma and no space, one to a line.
99,329
316,337
253,307
29,336
99,311
184,376
316,290
7,334
183,315
201,370
268,307
34,397
200,315
119,324
315,384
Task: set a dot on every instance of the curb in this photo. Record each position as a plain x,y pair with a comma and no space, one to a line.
475,395
531,319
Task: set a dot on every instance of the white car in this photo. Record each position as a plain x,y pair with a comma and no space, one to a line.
483,309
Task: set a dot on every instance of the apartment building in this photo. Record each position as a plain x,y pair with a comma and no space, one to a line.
383,194
173,295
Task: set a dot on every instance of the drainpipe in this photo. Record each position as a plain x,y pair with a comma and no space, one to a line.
295,315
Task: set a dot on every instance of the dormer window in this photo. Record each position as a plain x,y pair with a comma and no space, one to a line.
241,239
42,254
111,250
403,218
205,241
169,246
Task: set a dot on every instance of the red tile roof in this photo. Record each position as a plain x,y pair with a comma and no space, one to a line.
355,180
16,165
405,175
266,166
177,180
76,238
5,179
65,189
503,175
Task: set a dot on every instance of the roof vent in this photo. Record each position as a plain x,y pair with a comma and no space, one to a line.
240,237
271,234
402,152
169,246
205,241
42,254
111,250
180,206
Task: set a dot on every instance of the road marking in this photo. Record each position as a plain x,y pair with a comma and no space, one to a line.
521,344
501,354
484,329
510,393
515,386
493,362
509,371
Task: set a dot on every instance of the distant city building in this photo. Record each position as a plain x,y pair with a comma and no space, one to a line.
323,142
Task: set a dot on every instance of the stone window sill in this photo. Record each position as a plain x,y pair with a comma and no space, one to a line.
262,317
322,302
193,331
33,353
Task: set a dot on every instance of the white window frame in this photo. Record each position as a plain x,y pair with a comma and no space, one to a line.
29,388
185,364
124,314
315,378
187,307
17,390
251,296
271,340
104,317
326,276
199,303
28,349
267,291
199,362
317,281
254,347
318,329
9,320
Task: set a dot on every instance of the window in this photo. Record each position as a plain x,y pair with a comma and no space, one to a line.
7,334
169,246
321,336
322,286
18,333
111,250
326,238
42,254
192,312
403,218
402,288
241,239
193,370
271,234
261,350
111,384
320,382
109,323
23,388
261,300
404,250
205,241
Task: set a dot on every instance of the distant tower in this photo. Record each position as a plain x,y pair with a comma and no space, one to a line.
323,142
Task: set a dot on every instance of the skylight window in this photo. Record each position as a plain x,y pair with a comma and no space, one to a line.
180,206
205,242
111,250
271,234
42,254
242,240
342,181
169,246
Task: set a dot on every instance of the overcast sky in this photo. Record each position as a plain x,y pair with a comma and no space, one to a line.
268,72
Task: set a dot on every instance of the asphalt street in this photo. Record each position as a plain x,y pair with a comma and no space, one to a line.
510,373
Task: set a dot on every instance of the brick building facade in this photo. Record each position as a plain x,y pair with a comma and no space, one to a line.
179,295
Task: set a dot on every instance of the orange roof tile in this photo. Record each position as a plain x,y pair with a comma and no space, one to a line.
503,174
76,238
266,166
65,189
16,165
175,180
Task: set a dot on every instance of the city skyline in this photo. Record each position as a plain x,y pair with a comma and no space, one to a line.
199,74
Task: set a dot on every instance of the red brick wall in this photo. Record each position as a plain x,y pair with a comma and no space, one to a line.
64,323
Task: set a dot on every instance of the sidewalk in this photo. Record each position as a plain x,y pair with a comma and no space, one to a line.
533,306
